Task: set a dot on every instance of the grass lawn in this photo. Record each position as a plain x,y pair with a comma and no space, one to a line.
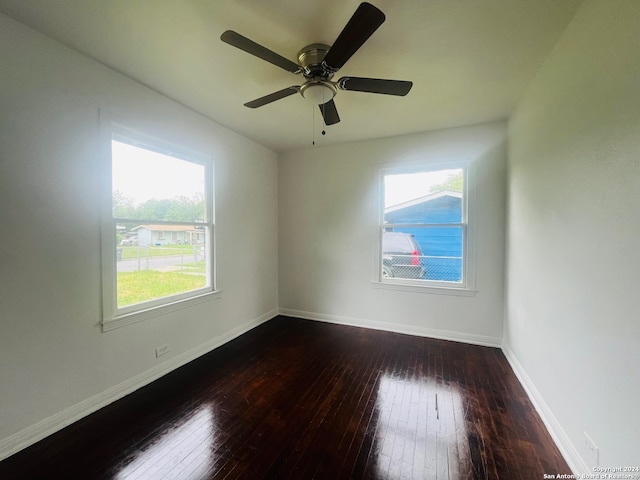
144,285
200,267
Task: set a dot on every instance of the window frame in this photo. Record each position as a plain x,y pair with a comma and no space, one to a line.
112,316
467,286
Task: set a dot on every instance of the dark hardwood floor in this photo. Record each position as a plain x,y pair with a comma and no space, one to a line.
296,399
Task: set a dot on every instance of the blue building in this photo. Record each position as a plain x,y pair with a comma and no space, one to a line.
441,244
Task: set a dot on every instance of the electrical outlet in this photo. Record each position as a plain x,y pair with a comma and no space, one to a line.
162,350
591,447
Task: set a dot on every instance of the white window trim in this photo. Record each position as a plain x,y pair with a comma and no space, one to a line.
468,285
112,317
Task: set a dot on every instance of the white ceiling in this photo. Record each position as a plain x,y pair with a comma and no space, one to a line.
470,60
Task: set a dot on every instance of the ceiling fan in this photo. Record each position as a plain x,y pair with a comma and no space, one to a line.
318,63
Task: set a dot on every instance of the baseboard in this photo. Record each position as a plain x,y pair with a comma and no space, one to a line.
559,436
60,420
470,338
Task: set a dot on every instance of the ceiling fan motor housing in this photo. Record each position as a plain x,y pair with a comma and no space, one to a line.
310,59
318,87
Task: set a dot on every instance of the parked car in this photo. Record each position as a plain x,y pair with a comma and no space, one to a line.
132,240
401,256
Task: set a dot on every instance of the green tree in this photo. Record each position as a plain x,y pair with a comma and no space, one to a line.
184,209
178,209
154,209
453,183
123,206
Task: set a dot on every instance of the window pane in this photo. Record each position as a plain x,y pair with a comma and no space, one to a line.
424,197
154,186
150,265
423,253
424,226
401,256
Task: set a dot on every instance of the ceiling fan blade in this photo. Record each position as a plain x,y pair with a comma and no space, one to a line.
360,27
272,97
375,85
249,46
329,113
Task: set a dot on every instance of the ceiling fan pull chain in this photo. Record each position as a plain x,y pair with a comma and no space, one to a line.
324,111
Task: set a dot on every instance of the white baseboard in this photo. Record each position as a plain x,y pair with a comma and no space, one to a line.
60,420
559,436
471,338
567,449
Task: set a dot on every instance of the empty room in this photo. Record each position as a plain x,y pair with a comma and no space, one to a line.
319,240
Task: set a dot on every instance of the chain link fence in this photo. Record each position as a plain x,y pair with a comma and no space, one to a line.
185,259
422,267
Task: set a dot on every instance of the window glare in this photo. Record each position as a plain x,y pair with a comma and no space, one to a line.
141,175
404,187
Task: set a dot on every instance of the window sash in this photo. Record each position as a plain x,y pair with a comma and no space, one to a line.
114,316
463,225
427,281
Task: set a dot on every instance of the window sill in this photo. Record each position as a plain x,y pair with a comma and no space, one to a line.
427,289
142,315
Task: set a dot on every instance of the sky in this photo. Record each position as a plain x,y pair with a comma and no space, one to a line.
401,188
142,174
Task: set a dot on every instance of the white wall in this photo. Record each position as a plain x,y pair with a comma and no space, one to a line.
572,328
55,362
328,224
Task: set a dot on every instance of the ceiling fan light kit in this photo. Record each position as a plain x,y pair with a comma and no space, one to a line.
318,63
318,91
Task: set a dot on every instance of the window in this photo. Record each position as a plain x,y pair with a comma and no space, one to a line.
423,234
158,227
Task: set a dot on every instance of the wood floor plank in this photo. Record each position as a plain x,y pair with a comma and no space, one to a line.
296,399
